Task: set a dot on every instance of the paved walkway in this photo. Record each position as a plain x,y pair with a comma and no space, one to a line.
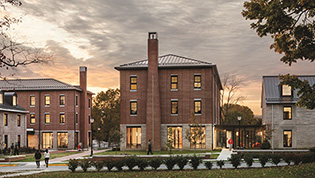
225,154
76,156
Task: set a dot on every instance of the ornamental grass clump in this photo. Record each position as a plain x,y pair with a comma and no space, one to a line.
85,164
98,165
248,160
118,164
220,163
109,164
263,159
142,163
73,164
195,161
130,162
208,165
170,162
276,158
155,163
297,159
181,161
235,160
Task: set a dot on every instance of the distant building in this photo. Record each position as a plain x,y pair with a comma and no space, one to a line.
59,113
161,93
12,121
294,127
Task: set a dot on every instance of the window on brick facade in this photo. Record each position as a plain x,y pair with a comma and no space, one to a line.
133,107
89,103
197,106
133,137
174,82
47,140
197,140
14,100
286,90
5,119
32,100
32,118
62,118
47,118
175,136
133,82
62,100
47,100
76,100
18,118
287,138
174,105
76,118
197,81
62,140
287,112
1,98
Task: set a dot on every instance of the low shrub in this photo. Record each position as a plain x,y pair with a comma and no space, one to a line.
109,164
288,158
142,163
181,161
276,158
308,157
130,162
265,144
296,158
312,150
98,165
85,164
248,160
195,161
155,163
73,164
208,165
170,162
263,159
235,160
118,164
220,163
115,149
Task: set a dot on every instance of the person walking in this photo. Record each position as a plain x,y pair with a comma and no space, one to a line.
230,142
37,156
46,155
11,149
150,147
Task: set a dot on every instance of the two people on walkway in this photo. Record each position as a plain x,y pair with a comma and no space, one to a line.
38,155
14,149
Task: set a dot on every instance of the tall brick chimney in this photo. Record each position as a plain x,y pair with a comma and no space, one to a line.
83,106
153,120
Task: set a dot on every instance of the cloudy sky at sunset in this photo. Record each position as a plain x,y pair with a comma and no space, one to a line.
101,34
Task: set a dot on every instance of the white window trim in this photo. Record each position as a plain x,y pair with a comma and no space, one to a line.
32,106
200,106
59,100
45,100
130,83
137,107
59,118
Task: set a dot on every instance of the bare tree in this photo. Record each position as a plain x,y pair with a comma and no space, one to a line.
229,96
14,54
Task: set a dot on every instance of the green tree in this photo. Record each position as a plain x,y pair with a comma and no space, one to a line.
106,112
291,24
245,112
170,140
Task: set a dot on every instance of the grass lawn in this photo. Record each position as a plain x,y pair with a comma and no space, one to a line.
30,158
305,170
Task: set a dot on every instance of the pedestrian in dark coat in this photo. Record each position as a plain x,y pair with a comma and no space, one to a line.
37,156
150,147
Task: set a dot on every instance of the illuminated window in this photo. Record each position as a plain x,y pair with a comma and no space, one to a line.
32,100
175,135
5,119
1,98
133,108
174,82
197,81
133,137
47,118
287,112
198,137
62,140
197,106
62,118
62,99
133,82
174,104
32,118
287,138
47,100
14,100
18,118
47,140
286,90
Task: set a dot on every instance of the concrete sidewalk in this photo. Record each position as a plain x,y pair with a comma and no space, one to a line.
225,154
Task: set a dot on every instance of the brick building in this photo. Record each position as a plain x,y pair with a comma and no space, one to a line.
12,121
293,127
59,113
161,94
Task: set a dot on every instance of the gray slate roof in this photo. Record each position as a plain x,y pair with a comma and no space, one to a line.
35,84
8,108
169,60
272,88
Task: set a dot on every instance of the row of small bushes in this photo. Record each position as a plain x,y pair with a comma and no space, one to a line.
132,161
24,149
275,158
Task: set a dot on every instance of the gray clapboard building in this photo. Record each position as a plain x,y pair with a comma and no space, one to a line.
294,127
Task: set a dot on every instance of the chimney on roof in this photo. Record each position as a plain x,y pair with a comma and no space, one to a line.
153,114
83,76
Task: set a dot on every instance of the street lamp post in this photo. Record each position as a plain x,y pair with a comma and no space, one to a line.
239,118
91,120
